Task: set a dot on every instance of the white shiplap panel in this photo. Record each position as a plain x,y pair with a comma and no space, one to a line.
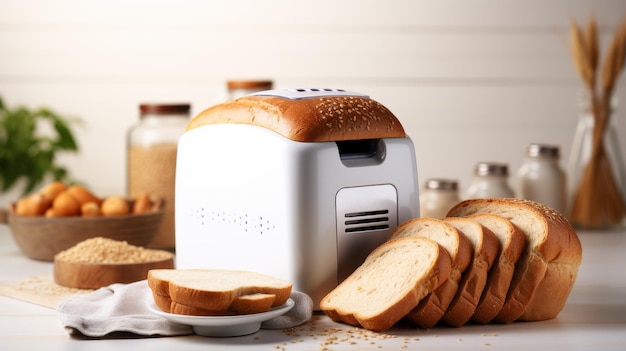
452,127
199,40
320,14
405,56
470,80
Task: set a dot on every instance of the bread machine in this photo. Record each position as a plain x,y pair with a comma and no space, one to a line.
249,198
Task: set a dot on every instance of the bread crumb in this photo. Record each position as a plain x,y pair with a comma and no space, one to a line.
332,338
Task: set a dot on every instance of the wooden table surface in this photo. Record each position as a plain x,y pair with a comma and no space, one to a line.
594,317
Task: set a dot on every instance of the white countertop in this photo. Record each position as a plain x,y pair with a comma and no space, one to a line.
594,318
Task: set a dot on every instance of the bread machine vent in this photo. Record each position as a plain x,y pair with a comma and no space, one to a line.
366,221
365,217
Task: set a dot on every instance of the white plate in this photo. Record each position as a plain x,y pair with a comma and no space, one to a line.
224,326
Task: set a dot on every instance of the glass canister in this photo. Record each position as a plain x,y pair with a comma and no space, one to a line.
490,180
541,179
239,88
151,160
438,197
596,170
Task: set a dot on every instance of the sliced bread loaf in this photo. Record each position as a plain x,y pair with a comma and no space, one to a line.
391,281
512,243
430,309
486,247
217,291
546,270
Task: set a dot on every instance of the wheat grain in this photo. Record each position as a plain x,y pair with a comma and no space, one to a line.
592,43
579,52
610,67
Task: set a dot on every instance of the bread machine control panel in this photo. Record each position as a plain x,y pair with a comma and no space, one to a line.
307,93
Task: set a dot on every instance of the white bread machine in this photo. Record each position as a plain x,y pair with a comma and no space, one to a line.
300,184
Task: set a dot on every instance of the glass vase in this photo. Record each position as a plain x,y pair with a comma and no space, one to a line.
596,174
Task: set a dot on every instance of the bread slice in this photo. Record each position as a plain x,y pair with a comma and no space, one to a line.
547,268
217,291
512,243
246,304
486,247
391,281
430,310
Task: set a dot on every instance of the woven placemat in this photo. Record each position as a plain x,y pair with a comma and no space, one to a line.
39,289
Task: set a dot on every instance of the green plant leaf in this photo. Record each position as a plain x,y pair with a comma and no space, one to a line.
65,140
26,155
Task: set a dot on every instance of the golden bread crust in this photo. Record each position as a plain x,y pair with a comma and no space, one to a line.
319,119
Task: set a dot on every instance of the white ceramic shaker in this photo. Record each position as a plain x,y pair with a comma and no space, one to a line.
541,179
490,181
437,197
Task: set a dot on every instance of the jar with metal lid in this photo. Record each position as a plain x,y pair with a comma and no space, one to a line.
151,160
438,197
239,88
541,179
491,179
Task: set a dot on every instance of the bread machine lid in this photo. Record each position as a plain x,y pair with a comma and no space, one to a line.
307,93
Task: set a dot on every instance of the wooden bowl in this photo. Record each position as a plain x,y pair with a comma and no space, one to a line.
41,238
97,275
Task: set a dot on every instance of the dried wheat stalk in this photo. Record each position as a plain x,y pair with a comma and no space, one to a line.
598,201
581,57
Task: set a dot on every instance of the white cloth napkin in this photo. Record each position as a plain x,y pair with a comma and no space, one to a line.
124,308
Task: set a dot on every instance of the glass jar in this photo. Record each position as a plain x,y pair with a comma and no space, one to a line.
438,197
239,88
541,179
490,180
596,195
151,160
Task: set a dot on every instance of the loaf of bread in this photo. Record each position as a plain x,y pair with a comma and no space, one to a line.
314,119
512,242
486,247
510,260
391,281
432,308
547,269
216,292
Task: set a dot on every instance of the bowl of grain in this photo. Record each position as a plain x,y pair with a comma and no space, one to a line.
98,262
41,235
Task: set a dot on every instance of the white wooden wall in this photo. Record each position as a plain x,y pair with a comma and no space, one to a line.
470,80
